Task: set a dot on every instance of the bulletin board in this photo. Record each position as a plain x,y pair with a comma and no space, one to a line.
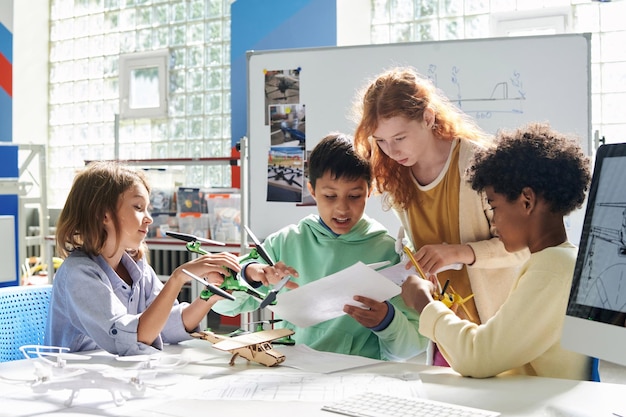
297,96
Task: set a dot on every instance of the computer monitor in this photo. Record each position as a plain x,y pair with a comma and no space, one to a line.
596,313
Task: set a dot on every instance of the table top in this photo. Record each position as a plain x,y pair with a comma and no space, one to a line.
194,379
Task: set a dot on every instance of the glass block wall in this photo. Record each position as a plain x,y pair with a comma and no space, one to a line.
434,20
86,39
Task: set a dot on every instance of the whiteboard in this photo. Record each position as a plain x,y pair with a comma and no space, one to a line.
501,82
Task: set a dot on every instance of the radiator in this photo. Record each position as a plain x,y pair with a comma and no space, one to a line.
165,262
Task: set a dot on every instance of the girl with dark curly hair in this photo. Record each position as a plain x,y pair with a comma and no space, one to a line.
533,177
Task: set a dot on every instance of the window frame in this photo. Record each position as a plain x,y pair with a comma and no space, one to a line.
143,60
534,22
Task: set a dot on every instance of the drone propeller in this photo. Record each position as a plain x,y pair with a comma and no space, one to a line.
156,360
66,356
137,358
151,368
271,321
133,375
43,352
191,238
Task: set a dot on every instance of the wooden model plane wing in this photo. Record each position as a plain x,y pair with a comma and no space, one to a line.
209,336
249,339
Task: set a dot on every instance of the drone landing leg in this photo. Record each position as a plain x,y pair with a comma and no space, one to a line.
73,395
118,398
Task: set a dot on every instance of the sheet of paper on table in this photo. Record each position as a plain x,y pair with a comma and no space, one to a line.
310,360
324,299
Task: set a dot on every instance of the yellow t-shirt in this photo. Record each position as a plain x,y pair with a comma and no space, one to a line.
434,218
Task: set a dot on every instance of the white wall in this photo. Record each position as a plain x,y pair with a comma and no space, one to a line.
353,22
30,71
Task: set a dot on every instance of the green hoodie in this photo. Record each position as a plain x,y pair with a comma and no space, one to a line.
315,252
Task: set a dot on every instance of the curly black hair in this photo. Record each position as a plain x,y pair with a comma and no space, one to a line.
536,156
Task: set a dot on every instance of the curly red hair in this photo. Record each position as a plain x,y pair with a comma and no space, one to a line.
404,92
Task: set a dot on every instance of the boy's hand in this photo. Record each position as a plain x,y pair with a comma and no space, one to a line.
369,316
270,275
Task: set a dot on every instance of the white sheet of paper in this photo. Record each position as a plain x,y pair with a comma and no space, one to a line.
324,299
398,274
302,357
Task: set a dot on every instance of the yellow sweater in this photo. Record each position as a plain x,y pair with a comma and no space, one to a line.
524,336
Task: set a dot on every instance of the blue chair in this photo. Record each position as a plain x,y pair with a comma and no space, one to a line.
23,316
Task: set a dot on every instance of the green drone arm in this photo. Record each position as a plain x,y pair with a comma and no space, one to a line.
231,283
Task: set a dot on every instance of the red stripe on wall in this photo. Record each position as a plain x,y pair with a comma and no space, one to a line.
6,75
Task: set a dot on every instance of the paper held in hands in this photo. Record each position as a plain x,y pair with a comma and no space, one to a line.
398,273
324,299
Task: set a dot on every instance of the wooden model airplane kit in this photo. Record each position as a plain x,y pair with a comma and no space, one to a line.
255,347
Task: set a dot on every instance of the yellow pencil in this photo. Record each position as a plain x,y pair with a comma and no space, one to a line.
414,262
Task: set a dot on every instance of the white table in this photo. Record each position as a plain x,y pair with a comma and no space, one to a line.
207,385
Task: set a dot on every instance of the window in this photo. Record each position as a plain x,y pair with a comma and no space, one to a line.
539,22
143,84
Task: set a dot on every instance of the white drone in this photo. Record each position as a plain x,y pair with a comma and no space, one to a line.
57,374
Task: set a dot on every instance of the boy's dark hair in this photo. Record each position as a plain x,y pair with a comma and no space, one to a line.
534,156
336,154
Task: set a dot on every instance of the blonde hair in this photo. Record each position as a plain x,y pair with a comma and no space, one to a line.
404,92
95,192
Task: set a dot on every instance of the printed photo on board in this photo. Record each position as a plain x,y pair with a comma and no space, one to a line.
285,174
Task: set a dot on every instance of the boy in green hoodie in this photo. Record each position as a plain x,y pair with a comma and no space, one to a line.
325,243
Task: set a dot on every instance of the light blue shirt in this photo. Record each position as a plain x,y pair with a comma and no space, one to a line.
93,308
